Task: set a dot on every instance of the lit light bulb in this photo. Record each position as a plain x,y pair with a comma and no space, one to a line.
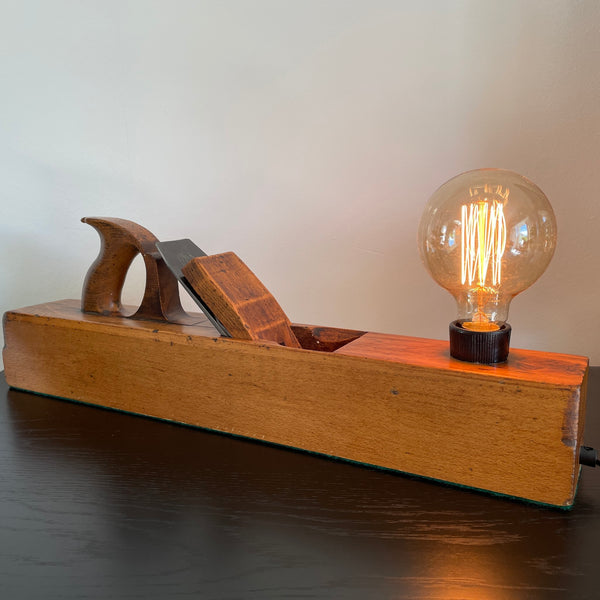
485,236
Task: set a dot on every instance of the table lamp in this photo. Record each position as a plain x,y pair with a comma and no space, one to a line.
512,427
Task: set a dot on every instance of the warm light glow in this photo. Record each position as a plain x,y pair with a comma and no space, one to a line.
483,242
483,234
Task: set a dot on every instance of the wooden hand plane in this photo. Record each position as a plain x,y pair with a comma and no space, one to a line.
388,401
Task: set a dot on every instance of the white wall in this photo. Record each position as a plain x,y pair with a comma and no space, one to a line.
306,136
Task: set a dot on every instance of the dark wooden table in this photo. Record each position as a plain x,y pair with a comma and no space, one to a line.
99,504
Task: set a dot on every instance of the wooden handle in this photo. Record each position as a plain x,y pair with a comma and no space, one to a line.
238,299
121,241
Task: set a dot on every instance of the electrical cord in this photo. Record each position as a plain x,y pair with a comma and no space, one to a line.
588,456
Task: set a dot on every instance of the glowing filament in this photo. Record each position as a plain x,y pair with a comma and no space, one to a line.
483,243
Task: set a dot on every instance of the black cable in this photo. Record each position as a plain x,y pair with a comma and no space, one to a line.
588,456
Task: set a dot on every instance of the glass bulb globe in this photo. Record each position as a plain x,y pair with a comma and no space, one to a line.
485,236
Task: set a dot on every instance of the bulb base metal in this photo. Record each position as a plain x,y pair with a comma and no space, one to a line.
484,347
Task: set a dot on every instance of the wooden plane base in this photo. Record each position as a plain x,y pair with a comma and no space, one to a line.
390,401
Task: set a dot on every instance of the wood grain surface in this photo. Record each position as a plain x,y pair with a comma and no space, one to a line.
120,242
488,429
98,504
238,299
525,365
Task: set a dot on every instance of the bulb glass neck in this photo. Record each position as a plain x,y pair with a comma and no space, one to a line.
481,325
482,308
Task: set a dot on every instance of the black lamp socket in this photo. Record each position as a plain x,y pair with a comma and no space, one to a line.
484,347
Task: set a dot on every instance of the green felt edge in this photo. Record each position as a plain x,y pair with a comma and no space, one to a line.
319,454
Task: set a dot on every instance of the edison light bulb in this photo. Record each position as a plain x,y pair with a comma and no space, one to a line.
486,236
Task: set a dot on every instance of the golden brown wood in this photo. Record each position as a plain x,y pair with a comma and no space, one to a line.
395,402
524,365
239,299
121,241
